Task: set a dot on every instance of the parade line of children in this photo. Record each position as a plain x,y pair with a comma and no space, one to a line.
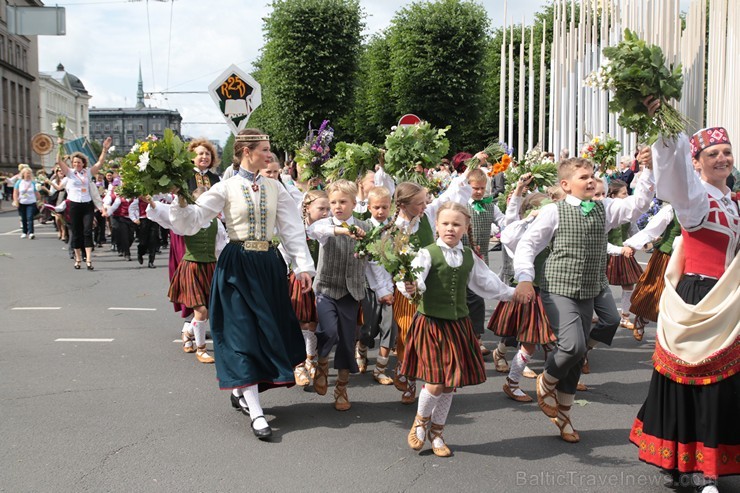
275,327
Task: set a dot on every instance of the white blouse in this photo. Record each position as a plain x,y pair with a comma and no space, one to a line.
459,191
78,185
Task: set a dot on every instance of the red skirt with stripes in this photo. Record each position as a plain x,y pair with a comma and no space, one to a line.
304,304
621,270
650,287
403,314
527,323
191,283
443,352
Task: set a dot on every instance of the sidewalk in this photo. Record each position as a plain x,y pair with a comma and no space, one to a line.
8,207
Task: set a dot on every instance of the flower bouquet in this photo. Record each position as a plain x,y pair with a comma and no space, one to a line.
351,161
157,166
60,127
314,152
362,250
544,173
602,151
412,145
496,152
635,71
395,252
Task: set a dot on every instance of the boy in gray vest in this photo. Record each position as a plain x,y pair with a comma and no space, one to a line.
574,274
340,286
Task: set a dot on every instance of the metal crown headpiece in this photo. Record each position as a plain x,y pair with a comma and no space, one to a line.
252,138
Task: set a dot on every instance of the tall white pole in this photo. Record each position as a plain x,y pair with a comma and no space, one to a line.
502,84
510,139
530,91
522,101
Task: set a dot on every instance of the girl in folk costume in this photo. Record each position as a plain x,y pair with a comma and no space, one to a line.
415,217
441,347
340,286
621,269
315,206
191,284
256,337
689,421
526,322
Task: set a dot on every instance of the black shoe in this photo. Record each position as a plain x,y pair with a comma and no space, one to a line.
128,258
236,405
151,265
120,254
261,434
140,258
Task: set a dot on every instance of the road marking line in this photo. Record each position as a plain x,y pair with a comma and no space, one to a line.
14,232
123,308
36,308
72,339
208,341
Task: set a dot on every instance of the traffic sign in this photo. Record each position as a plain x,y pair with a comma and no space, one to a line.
237,95
409,119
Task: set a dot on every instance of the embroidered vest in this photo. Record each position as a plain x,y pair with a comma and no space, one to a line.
711,246
201,247
576,266
338,272
208,179
446,296
236,210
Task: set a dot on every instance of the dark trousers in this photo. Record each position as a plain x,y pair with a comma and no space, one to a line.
99,228
378,319
606,310
81,214
570,320
27,211
337,327
164,236
477,312
123,234
148,238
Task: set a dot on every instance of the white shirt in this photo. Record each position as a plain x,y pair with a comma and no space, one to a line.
652,230
545,225
160,214
481,281
677,183
459,191
78,185
381,179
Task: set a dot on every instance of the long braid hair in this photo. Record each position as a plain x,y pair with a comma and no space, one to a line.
308,198
454,206
405,191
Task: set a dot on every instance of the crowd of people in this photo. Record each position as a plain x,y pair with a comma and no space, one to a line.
268,264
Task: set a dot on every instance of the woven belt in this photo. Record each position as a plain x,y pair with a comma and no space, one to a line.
253,245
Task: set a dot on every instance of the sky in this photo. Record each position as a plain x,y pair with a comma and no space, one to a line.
183,45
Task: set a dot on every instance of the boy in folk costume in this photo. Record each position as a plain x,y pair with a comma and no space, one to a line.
339,287
574,275
122,228
689,421
148,231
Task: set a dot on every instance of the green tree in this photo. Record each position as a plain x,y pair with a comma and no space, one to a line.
227,156
436,64
307,67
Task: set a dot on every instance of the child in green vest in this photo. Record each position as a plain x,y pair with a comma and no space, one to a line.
441,347
574,275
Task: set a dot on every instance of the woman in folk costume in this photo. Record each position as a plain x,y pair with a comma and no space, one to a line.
256,337
415,217
689,421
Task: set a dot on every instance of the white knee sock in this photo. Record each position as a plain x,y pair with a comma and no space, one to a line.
442,409
517,365
310,339
199,330
252,396
187,327
382,361
502,348
626,303
427,403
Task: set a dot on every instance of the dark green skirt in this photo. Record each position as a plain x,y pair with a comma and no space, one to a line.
256,336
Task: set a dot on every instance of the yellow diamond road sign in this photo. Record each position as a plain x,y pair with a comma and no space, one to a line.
237,95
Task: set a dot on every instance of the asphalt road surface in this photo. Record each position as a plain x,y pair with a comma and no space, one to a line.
96,396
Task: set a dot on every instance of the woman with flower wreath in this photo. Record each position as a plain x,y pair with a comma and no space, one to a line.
257,341
689,421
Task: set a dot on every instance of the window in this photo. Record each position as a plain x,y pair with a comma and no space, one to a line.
2,47
107,127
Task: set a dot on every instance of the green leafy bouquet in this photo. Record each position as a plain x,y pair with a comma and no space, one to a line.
157,166
602,151
495,152
351,161
314,152
544,174
395,252
408,146
635,71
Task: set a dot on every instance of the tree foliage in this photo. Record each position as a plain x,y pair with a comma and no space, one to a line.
227,157
308,66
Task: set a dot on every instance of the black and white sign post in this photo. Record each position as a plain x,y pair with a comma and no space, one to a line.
237,95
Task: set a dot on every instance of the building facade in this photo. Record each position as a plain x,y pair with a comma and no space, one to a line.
127,125
62,94
19,93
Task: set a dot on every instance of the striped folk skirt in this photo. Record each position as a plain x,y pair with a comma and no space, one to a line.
177,250
646,296
443,352
191,284
621,270
304,304
403,314
527,323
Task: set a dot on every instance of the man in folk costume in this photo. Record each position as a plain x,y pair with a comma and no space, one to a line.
689,421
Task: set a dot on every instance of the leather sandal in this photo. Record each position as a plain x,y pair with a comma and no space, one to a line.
187,342
301,375
361,357
341,401
639,331
380,376
561,421
435,432
321,380
499,362
550,411
413,439
585,368
203,355
400,381
529,373
510,389
311,366
409,397
625,322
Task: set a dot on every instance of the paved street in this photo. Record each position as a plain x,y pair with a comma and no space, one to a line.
129,411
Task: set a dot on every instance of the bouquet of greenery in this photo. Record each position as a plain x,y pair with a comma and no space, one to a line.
157,166
412,145
362,245
544,173
395,252
635,71
351,161
314,152
495,152
602,151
